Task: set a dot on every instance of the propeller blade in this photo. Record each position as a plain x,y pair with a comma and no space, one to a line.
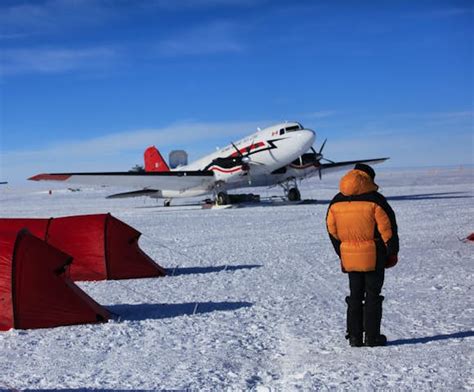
236,149
322,146
319,157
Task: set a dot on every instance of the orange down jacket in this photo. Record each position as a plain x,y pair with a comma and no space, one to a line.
361,224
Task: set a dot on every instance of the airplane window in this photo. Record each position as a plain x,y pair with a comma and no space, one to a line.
293,128
282,131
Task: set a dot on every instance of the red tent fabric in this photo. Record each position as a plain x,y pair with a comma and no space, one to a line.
34,289
103,247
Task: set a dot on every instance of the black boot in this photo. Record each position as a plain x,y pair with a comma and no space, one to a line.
374,341
372,321
355,341
354,321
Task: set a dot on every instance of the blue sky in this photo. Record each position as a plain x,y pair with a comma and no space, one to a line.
89,84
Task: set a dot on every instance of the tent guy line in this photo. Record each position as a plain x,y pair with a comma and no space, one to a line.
160,244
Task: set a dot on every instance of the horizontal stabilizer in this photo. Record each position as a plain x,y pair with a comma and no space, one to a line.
124,195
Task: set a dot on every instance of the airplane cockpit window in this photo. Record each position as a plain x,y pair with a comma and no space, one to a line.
293,128
282,131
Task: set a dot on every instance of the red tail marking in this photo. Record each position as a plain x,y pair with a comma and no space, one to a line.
154,162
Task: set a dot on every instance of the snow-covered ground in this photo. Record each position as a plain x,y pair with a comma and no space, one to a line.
270,309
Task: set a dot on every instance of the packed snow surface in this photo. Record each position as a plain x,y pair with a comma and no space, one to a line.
255,297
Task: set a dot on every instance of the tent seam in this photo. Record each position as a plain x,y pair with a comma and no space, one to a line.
18,239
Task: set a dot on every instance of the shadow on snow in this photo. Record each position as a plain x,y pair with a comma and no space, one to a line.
162,311
422,196
433,196
80,390
427,339
207,270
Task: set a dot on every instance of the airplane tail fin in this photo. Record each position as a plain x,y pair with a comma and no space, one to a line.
154,162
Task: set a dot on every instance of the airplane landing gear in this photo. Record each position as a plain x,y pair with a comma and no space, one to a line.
222,199
292,192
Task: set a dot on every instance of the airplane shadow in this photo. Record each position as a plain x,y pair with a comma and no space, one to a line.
173,207
140,312
282,203
427,339
207,270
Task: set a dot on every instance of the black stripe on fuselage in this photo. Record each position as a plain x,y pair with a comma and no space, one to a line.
231,161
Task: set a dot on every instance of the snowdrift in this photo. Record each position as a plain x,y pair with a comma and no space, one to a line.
102,246
35,291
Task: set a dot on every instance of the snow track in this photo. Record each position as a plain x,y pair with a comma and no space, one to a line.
256,301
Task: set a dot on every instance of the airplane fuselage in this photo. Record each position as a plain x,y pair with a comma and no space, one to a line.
251,160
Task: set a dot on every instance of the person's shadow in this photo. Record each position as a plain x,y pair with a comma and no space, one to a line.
139,312
207,270
427,339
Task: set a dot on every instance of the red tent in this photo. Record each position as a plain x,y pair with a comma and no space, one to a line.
34,289
103,247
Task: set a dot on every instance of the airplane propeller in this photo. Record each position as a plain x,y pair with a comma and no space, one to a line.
245,159
318,157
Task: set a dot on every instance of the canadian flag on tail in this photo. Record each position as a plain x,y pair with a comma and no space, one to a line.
154,162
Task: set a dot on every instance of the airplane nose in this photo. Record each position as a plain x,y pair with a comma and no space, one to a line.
308,135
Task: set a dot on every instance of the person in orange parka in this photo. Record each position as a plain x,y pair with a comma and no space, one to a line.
363,230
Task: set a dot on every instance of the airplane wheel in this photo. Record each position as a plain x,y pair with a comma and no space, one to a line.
222,199
294,194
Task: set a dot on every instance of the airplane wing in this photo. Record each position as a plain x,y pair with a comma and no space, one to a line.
172,180
337,166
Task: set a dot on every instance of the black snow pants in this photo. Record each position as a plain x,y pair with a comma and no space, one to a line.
364,311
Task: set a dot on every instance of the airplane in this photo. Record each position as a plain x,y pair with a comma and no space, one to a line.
280,155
